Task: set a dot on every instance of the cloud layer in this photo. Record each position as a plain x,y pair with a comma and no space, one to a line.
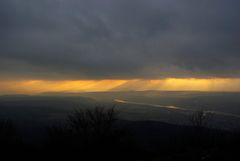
119,39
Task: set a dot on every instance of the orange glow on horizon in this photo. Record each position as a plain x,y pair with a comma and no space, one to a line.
169,84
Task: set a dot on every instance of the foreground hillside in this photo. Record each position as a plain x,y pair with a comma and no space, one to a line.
138,127
120,140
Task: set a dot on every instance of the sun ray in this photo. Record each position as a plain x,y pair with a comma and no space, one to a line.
169,84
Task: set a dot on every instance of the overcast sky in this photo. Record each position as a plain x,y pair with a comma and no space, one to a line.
119,39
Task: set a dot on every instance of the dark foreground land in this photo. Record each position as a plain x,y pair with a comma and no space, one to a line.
97,134
71,128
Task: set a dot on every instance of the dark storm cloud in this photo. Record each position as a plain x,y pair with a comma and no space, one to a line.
120,39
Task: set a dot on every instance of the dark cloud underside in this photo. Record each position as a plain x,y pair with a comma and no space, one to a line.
119,39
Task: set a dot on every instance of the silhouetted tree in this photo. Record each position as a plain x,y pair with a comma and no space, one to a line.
9,140
201,135
200,119
7,133
91,133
